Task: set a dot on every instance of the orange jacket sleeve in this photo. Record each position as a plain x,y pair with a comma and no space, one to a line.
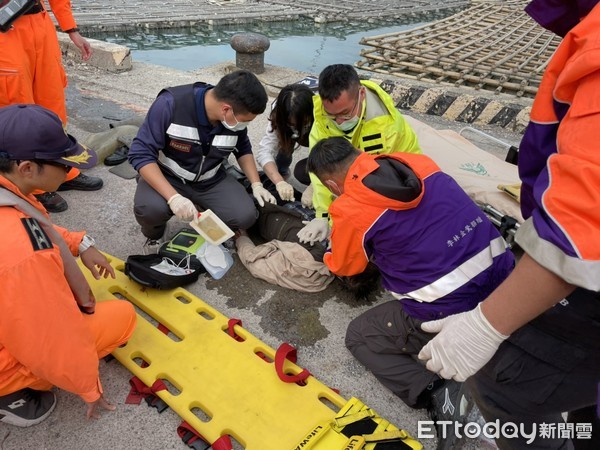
72,238
346,256
62,11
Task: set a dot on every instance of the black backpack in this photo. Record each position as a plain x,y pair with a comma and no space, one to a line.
139,269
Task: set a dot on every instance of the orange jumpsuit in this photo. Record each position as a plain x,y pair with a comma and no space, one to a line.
44,339
31,68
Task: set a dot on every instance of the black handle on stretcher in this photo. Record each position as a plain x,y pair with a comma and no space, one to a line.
506,224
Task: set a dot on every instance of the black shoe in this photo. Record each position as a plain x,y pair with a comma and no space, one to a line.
119,156
53,202
450,401
26,407
82,183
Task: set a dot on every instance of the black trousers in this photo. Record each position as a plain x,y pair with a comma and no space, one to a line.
227,199
548,367
386,340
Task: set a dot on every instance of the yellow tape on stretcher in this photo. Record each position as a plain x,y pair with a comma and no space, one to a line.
217,384
329,435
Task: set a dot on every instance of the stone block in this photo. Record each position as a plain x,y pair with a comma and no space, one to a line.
105,55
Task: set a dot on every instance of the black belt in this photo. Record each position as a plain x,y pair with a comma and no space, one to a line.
38,7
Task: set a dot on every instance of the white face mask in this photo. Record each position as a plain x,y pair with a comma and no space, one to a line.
214,255
168,267
348,125
239,126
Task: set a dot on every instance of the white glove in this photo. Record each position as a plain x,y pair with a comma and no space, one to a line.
464,344
316,230
182,207
307,196
285,191
261,194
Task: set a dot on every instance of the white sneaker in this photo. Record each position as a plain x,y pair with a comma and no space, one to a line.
152,246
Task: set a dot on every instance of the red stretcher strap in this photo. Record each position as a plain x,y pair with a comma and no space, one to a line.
140,391
232,323
195,440
286,351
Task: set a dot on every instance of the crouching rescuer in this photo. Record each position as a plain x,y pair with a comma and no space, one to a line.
52,332
436,251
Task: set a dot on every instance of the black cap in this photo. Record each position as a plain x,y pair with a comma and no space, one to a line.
33,132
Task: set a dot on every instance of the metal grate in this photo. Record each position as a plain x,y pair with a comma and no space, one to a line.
492,46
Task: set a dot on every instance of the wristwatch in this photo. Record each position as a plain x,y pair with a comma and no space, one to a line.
86,243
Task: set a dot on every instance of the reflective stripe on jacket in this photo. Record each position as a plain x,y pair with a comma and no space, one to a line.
559,161
438,252
383,134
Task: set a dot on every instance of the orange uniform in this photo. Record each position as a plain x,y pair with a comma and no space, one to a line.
44,338
31,68
559,161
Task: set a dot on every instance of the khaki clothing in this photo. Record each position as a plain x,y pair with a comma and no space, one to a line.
285,264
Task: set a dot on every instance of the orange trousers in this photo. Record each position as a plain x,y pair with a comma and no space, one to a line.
112,325
31,69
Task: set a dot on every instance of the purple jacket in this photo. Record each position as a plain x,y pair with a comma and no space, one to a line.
436,250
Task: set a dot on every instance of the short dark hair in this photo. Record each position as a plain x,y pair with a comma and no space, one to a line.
6,164
243,91
293,104
330,156
337,78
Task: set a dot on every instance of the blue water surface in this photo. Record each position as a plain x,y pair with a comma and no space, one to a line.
302,45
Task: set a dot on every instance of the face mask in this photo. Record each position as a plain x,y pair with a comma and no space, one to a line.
214,256
334,188
168,267
348,125
301,137
239,126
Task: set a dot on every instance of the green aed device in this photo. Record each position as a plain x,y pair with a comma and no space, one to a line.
185,242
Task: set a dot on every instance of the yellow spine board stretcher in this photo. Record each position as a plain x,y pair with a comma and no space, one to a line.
224,386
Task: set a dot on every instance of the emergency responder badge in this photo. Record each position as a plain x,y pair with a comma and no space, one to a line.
38,237
180,146
82,158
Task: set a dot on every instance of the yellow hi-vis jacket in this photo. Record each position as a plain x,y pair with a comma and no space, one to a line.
387,133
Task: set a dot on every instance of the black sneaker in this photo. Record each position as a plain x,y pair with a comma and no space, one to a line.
119,156
26,407
452,402
82,183
53,202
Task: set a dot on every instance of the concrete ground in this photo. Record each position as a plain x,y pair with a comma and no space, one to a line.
314,323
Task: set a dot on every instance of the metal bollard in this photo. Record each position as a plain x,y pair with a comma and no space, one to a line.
250,51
